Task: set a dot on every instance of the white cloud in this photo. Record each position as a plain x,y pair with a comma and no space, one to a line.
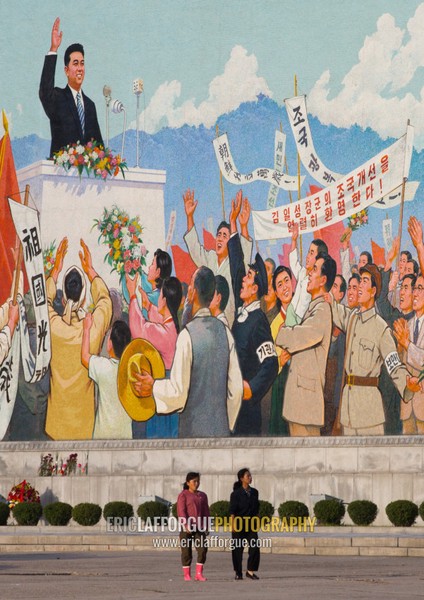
238,83
373,92
20,109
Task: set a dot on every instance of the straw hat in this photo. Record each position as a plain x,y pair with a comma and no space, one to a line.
137,357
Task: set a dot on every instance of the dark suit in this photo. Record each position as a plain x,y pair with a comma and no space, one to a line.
59,105
255,349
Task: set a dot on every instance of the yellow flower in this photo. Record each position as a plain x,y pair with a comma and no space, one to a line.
117,243
116,255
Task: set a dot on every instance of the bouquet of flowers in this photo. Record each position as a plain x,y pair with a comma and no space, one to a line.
356,221
91,158
122,235
23,492
47,466
69,466
49,256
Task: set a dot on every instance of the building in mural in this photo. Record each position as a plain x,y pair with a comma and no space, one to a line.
265,240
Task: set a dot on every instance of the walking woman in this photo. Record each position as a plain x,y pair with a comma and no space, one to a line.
193,509
244,502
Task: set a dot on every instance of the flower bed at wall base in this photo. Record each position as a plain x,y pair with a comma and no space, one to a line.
22,492
91,158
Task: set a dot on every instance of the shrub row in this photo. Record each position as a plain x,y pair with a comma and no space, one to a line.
401,513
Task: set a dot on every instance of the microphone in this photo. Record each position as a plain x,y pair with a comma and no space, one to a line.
117,106
107,93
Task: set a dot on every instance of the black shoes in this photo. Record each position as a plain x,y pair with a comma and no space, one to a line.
251,575
238,576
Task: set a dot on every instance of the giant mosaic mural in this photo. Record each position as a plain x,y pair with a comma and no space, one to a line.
211,220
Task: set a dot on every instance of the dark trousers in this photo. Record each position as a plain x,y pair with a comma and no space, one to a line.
195,540
253,553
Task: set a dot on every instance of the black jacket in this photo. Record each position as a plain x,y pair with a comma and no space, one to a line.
59,105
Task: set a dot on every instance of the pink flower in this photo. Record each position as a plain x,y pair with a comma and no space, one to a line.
104,174
116,233
127,254
131,229
101,154
143,250
89,145
128,266
136,264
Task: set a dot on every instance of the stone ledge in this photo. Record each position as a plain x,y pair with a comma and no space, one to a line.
197,443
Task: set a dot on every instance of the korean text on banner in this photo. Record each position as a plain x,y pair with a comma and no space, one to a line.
350,194
232,175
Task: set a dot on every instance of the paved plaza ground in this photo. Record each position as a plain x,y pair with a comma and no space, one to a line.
153,575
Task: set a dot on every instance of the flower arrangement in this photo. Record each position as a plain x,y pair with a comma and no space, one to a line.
91,158
69,466
127,253
23,492
49,256
357,220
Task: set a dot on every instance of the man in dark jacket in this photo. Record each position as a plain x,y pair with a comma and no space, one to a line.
72,114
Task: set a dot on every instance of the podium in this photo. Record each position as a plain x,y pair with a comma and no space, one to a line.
68,205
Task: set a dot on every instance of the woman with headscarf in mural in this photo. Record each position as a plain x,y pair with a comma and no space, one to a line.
70,406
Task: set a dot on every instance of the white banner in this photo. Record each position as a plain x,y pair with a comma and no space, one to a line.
387,233
394,198
9,378
350,194
279,155
28,230
298,118
232,175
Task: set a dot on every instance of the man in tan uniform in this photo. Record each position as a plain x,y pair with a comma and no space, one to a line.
369,343
70,407
308,344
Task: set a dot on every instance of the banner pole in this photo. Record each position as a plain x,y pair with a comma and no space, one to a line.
402,203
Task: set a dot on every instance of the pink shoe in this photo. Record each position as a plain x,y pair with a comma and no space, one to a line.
187,575
199,573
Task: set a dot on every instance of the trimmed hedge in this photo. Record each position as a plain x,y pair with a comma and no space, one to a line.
362,512
58,513
27,513
152,509
120,510
421,510
265,509
329,512
86,513
402,513
174,510
220,509
4,513
293,508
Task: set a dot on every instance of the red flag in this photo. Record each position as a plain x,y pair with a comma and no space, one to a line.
8,187
208,240
378,254
183,264
284,258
